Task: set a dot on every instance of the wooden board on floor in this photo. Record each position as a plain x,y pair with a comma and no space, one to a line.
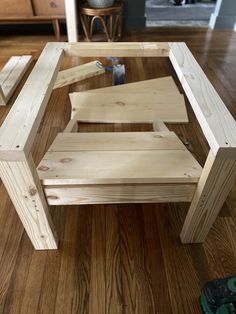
78,73
157,86
128,107
11,74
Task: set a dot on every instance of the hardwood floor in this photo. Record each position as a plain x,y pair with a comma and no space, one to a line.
119,259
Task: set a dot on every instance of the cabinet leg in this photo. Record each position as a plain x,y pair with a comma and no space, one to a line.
56,27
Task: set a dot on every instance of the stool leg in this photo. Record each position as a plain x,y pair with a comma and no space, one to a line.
111,27
104,26
120,24
84,23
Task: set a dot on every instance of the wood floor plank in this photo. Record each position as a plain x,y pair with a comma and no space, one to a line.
97,292
67,292
82,299
33,283
220,248
155,257
182,279
138,294
16,291
10,240
114,300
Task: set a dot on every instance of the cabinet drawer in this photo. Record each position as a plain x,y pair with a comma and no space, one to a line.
49,7
15,8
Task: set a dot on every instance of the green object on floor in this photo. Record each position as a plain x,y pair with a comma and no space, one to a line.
219,296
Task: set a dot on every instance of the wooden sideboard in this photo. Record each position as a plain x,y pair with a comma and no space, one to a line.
33,11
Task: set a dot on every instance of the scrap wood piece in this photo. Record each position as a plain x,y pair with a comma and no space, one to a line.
78,73
10,76
165,85
128,107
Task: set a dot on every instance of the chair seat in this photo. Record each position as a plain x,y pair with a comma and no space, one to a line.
118,158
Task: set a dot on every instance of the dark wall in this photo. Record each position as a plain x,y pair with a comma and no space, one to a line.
134,14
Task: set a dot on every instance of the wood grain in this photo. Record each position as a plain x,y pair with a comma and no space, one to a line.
78,73
11,74
155,86
20,126
116,194
128,107
155,264
115,141
12,8
25,190
119,167
71,20
216,121
121,49
215,183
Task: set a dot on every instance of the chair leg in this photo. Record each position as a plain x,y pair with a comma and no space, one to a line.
215,183
23,185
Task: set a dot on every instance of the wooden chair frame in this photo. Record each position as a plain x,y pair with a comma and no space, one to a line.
18,171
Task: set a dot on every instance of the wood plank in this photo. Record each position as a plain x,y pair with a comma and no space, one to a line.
118,167
121,49
108,141
97,290
138,293
2,97
215,183
20,127
155,258
154,86
24,188
75,264
78,73
71,20
218,125
72,127
184,289
128,108
117,194
114,300
11,75
159,126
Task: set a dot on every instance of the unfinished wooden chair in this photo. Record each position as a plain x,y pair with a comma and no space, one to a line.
84,168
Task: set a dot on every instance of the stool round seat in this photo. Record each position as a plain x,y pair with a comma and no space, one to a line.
110,18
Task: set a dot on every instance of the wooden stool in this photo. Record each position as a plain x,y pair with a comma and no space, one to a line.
111,20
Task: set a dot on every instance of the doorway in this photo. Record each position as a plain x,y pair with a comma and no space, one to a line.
194,13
